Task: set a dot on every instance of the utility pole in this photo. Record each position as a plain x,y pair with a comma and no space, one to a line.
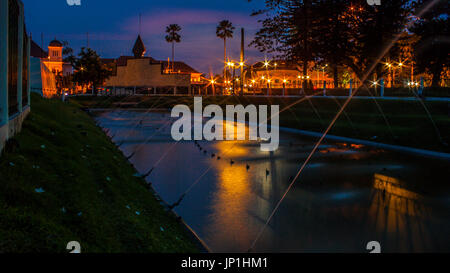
140,23
42,42
242,60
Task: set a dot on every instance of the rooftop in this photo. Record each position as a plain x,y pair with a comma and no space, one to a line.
56,43
37,51
179,67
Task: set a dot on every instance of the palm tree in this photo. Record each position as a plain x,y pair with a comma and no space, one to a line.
173,37
225,30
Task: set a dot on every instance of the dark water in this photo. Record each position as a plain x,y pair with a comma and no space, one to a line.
347,196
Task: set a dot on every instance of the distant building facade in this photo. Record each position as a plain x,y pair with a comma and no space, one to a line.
45,66
14,69
150,76
280,74
54,61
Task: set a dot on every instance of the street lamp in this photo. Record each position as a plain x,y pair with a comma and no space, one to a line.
232,65
251,86
390,74
213,88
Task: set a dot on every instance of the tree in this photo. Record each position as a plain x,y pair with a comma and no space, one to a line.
67,51
376,34
348,32
289,31
432,50
334,45
89,69
225,30
406,55
63,82
173,37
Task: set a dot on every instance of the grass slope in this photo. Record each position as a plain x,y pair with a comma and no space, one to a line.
90,192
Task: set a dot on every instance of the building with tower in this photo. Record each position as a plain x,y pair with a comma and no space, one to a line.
146,75
45,66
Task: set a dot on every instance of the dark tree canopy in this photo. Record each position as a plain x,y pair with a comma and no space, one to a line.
172,33
337,32
89,69
225,29
432,50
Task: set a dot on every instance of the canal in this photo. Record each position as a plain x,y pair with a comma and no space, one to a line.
347,196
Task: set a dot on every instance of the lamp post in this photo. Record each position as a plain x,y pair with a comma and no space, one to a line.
234,75
213,88
242,57
241,64
391,75
266,65
253,84
231,65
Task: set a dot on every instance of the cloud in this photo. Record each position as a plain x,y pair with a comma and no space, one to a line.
156,21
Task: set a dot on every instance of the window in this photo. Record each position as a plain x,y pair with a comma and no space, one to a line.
25,69
13,56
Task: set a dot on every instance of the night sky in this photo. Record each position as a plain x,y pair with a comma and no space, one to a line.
113,26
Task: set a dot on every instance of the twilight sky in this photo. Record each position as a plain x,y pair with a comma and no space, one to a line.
113,26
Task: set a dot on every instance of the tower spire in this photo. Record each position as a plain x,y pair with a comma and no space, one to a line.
139,48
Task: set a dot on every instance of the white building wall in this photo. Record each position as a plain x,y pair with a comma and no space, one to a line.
10,125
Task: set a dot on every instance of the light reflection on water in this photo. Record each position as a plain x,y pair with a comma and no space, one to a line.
347,196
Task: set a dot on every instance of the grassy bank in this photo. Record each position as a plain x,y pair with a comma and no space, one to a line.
394,122
62,180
